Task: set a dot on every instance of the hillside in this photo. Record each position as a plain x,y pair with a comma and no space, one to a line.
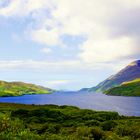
131,88
52,122
131,72
20,88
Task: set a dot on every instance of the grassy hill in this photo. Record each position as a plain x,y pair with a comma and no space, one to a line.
131,88
52,122
20,88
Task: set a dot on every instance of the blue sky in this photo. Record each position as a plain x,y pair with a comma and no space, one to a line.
67,44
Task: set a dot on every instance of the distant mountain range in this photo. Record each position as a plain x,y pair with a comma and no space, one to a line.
129,73
20,88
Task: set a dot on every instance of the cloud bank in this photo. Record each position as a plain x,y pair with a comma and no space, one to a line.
110,29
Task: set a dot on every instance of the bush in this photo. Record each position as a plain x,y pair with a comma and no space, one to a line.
48,122
97,133
108,125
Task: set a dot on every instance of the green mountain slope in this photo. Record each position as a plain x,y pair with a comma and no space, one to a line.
130,72
20,88
131,88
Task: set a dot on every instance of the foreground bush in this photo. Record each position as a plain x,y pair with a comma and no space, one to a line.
51,122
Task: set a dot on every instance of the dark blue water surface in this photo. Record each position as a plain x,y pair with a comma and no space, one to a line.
129,106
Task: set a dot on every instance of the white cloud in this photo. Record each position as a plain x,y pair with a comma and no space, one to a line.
129,3
46,50
11,9
22,8
57,82
107,50
38,65
89,18
46,37
59,67
76,17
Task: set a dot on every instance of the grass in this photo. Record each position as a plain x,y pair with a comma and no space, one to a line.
131,88
20,88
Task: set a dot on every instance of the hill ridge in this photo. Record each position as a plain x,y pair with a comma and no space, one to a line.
18,88
130,72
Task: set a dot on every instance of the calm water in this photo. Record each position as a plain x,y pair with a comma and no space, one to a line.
96,101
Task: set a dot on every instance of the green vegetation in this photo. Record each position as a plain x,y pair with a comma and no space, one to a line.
131,88
20,88
51,122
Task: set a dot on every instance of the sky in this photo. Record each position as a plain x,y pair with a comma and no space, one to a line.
67,44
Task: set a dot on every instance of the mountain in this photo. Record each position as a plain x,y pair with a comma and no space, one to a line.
83,90
20,88
131,88
131,72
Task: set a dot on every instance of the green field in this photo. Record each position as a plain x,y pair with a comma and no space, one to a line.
131,88
20,88
51,122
